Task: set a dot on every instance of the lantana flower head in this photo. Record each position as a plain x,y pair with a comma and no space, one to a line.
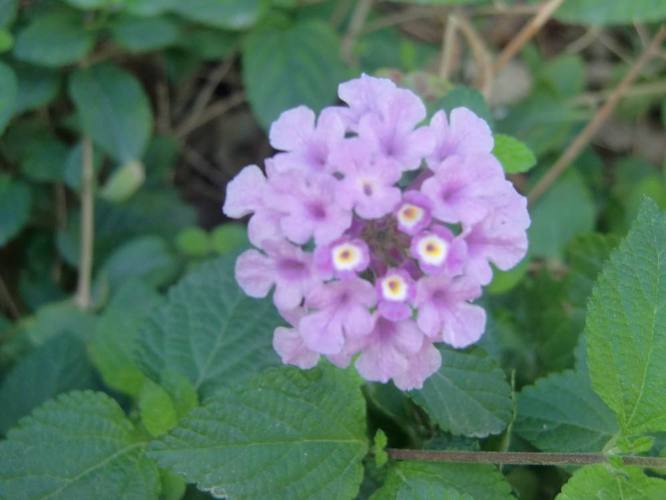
376,231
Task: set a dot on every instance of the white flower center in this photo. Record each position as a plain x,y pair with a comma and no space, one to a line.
410,215
394,287
346,257
433,250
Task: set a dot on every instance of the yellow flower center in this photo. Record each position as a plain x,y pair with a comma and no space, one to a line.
410,215
346,257
433,250
394,287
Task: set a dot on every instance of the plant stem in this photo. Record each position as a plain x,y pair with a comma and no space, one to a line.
83,298
521,458
356,24
599,118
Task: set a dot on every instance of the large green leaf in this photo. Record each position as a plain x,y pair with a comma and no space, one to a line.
138,34
8,95
420,480
229,14
114,338
8,9
54,39
15,201
602,12
209,330
60,365
45,160
287,67
114,110
562,413
554,223
469,395
626,326
78,446
37,87
598,481
286,434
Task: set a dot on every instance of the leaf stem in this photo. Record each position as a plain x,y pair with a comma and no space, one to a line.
521,458
83,297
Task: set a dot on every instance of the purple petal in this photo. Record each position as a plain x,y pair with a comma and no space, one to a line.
289,345
292,129
244,192
255,273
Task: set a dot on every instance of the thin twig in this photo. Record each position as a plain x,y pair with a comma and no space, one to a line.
83,297
507,10
12,308
584,41
356,24
599,118
524,35
398,18
481,57
205,95
203,166
212,112
521,458
449,43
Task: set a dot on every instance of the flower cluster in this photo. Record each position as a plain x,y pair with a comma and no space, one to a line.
376,231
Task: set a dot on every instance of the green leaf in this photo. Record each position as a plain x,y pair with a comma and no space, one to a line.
562,413
469,395
149,7
6,40
626,326
208,43
286,434
114,110
600,12
514,155
54,39
229,14
114,338
379,448
60,365
157,410
287,67
193,242
94,4
8,95
209,330
463,96
420,480
77,446
554,223
147,258
123,182
37,87
228,237
598,481
74,163
137,34
45,160
15,203
8,10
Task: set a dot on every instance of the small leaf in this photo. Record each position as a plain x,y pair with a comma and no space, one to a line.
285,434
469,395
562,413
6,40
287,67
600,12
466,97
626,326
598,481
124,182
114,110
45,160
142,34
8,95
420,480
54,39
157,410
514,155
60,365
193,242
379,448
229,237
8,10
209,331
73,446
37,87
230,14
15,202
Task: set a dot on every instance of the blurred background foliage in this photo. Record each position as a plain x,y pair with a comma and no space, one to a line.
165,100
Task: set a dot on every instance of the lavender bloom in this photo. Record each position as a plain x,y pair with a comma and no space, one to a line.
307,147
341,311
363,268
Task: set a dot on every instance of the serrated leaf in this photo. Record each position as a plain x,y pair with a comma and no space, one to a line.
138,34
114,110
54,39
468,395
514,155
114,337
8,93
555,223
78,446
15,202
60,365
598,481
230,14
562,413
412,480
626,326
157,410
209,330
37,87
287,67
600,12
286,434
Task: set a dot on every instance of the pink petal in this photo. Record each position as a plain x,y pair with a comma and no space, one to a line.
255,273
292,129
244,192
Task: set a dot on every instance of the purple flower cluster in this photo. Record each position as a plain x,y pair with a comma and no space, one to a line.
376,231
